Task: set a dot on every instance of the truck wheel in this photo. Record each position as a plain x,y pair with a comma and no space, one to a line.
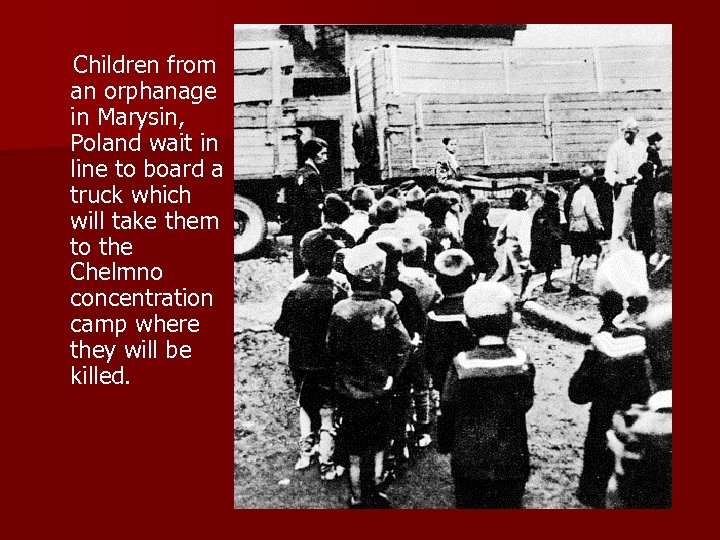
250,227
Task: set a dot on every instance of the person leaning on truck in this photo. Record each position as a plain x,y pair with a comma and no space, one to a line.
308,196
621,170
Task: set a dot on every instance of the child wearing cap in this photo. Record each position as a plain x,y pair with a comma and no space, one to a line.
613,373
488,391
447,333
410,380
304,319
641,437
369,346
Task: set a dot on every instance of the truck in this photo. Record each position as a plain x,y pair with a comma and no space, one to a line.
516,113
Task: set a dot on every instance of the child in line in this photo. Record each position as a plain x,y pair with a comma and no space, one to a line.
447,333
439,237
478,238
612,375
369,347
641,438
546,239
413,318
488,391
514,235
304,319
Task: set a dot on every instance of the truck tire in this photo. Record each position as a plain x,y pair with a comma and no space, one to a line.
250,227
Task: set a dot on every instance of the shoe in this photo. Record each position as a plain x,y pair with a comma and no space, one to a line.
550,288
575,291
662,262
380,500
424,441
303,462
354,503
328,472
339,471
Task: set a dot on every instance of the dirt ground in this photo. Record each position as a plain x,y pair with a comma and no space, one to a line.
266,409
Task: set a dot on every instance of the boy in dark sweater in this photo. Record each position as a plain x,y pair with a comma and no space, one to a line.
447,333
487,393
304,319
369,347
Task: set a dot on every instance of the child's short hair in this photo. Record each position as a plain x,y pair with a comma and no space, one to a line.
362,198
414,249
317,251
388,210
335,209
518,200
610,306
435,208
480,207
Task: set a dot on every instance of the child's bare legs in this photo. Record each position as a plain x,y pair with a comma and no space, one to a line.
306,441
355,490
327,443
575,275
379,456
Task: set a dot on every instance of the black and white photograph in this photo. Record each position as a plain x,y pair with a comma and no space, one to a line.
453,266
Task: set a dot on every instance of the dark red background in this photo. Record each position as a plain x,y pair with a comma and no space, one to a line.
155,458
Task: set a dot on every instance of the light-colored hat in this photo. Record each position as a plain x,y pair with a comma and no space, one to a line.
488,298
416,194
624,272
453,262
362,193
630,124
366,261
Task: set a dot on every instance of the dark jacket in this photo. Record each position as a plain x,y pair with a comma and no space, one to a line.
642,213
653,156
483,416
612,377
546,239
308,196
410,310
478,237
439,239
367,342
343,238
304,319
605,200
446,335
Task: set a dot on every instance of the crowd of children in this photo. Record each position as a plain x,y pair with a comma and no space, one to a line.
394,328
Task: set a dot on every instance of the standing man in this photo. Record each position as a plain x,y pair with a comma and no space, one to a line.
621,169
308,197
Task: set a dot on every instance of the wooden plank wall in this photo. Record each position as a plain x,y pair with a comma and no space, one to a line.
265,141
254,73
519,131
533,71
